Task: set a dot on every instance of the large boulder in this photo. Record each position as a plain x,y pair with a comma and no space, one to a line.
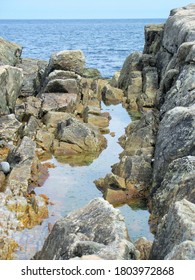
177,227
9,52
83,136
33,71
175,140
69,60
10,86
96,229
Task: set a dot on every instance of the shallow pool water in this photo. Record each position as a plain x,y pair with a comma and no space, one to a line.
70,187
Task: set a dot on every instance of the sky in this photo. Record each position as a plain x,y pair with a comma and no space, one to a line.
87,9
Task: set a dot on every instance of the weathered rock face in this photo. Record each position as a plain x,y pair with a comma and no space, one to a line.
27,107
81,136
177,227
178,183
10,86
33,71
97,229
68,61
153,38
9,52
10,128
61,102
175,140
111,95
22,161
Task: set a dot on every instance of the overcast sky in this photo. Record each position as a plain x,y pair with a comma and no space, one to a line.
87,9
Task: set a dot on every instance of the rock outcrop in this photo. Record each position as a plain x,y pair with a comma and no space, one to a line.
10,52
96,229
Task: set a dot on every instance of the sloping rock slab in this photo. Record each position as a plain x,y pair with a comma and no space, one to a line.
97,229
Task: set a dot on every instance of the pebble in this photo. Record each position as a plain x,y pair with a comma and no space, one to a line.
5,167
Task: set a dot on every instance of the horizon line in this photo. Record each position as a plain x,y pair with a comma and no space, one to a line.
80,18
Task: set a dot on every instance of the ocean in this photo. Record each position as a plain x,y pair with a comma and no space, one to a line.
105,43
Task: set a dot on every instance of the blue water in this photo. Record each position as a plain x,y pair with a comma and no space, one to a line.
105,43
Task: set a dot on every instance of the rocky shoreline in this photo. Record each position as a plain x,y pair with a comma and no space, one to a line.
55,108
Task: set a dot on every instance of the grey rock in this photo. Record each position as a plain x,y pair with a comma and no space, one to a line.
10,86
97,229
59,102
153,38
176,227
34,73
132,63
82,135
183,91
67,60
91,73
27,107
9,52
61,85
10,128
175,139
183,251
178,183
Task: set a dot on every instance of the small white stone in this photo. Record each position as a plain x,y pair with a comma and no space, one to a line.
5,167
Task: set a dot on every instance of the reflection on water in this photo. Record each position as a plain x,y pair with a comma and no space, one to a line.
70,187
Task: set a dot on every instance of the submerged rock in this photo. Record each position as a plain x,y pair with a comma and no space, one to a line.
96,229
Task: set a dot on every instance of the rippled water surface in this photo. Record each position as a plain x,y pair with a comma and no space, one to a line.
105,43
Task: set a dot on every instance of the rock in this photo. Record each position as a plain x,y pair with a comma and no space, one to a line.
111,95
114,80
136,170
93,115
97,229
62,86
175,140
62,75
143,246
134,89
184,251
5,167
111,181
10,86
182,93
82,135
27,107
61,102
30,129
51,119
179,28
9,52
44,139
153,38
33,71
91,73
132,63
177,226
178,183
2,181
150,86
141,135
68,60
21,160
10,128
